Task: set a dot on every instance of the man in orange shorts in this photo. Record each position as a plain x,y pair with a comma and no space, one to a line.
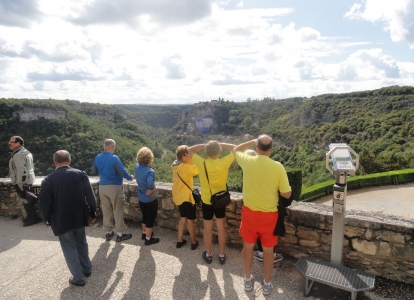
263,180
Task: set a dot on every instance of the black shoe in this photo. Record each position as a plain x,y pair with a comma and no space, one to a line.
194,246
180,244
123,237
109,236
74,283
144,236
208,259
222,260
151,241
32,222
87,274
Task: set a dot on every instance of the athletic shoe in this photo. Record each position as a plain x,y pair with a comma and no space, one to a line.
278,257
248,284
208,259
194,246
222,259
258,255
109,235
151,241
182,243
123,237
267,288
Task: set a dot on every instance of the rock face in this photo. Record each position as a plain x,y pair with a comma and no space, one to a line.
27,114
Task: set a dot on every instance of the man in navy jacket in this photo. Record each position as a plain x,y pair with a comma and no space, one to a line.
67,203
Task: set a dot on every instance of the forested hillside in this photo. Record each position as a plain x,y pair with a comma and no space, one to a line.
378,124
80,128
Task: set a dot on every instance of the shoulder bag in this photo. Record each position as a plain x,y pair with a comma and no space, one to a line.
218,200
195,192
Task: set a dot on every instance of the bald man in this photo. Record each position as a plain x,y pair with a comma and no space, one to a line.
263,180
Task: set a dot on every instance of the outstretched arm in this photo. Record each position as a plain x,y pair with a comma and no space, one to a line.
244,146
194,149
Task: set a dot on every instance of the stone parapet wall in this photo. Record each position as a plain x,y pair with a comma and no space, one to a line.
379,244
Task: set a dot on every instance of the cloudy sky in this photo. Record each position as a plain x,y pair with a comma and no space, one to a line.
185,51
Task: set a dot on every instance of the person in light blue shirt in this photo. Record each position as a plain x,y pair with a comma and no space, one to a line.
147,194
111,190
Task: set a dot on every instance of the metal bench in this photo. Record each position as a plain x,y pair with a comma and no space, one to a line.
334,275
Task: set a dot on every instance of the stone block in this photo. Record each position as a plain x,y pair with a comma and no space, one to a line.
368,234
167,204
290,230
134,200
326,238
404,253
289,239
309,243
365,247
354,231
308,234
392,237
385,249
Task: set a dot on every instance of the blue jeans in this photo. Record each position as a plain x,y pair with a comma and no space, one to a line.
75,250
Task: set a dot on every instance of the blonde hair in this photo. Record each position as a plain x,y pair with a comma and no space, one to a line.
181,151
145,156
212,148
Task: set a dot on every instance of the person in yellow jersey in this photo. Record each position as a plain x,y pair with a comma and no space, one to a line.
263,180
183,172
217,169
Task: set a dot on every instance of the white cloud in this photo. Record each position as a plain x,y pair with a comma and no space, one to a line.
397,15
128,52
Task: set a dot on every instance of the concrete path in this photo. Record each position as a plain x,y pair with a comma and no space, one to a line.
32,267
395,200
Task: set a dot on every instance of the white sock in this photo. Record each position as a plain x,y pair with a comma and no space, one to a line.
119,234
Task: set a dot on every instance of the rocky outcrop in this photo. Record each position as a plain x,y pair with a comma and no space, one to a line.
27,114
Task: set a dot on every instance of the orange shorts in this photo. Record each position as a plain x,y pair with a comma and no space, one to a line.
255,224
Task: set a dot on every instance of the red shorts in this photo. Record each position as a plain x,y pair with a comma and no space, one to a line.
255,224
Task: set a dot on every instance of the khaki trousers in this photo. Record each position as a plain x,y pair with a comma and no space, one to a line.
112,201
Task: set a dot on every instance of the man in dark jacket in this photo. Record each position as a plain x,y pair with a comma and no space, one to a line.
67,203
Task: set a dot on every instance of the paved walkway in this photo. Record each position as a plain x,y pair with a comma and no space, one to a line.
32,267
395,200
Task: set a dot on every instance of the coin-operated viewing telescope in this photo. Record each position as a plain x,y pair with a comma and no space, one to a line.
343,166
334,273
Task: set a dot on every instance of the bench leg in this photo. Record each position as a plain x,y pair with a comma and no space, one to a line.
308,286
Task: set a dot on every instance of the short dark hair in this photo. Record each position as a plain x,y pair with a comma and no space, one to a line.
19,139
264,147
61,156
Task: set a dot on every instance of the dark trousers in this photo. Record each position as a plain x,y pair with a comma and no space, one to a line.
75,250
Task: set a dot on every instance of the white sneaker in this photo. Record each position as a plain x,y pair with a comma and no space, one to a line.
278,257
258,255
248,284
267,288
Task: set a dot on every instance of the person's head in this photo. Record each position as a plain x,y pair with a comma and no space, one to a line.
61,158
109,145
213,149
264,145
251,152
15,142
182,152
145,156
